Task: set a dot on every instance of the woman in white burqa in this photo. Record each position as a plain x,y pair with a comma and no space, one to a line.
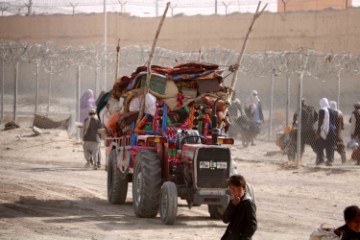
326,133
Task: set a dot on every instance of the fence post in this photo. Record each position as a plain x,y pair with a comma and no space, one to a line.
299,117
16,88
338,89
105,46
287,98
49,88
271,104
77,111
2,88
37,87
96,82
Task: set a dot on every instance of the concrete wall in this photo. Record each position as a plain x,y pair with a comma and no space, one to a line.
332,30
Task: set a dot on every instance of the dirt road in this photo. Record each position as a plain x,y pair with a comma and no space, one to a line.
46,193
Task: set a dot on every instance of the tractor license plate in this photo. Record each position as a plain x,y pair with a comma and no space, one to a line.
213,165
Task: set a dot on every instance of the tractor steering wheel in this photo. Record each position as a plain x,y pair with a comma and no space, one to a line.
202,139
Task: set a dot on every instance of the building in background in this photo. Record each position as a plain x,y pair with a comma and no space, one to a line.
316,5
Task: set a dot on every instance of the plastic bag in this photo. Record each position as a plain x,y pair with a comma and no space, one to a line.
352,144
324,232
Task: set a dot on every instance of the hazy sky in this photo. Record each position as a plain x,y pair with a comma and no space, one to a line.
192,7
151,8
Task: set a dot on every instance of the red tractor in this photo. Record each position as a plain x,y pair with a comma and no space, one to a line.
176,151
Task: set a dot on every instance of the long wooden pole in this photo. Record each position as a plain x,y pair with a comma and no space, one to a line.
2,89
148,76
117,60
256,16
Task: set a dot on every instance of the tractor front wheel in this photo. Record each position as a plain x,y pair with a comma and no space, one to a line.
168,203
146,184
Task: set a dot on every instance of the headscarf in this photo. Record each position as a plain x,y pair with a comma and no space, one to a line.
252,101
333,106
324,128
87,100
357,105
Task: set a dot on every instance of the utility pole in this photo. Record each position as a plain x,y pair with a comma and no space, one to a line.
73,5
172,10
3,9
157,7
215,7
29,7
105,45
226,8
122,4
284,2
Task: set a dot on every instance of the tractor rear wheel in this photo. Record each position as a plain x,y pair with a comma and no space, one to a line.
168,203
117,185
146,184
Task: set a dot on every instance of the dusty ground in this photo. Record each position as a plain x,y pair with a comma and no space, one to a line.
46,193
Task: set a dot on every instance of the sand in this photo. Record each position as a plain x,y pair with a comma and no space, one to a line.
46,193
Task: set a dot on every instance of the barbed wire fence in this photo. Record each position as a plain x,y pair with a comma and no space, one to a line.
284,78
48,79
148,8
151,8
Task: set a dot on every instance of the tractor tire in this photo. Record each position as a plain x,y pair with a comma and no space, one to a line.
146,184
168,203
117,186
216,211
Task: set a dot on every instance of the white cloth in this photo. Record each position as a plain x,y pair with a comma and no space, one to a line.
252,101
324,233
150,104
324,128
135,104
105,115
91,151
333,105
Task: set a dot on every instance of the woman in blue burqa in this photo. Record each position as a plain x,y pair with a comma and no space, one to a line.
253,111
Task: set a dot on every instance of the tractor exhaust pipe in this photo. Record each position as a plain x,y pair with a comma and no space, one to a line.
215,132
